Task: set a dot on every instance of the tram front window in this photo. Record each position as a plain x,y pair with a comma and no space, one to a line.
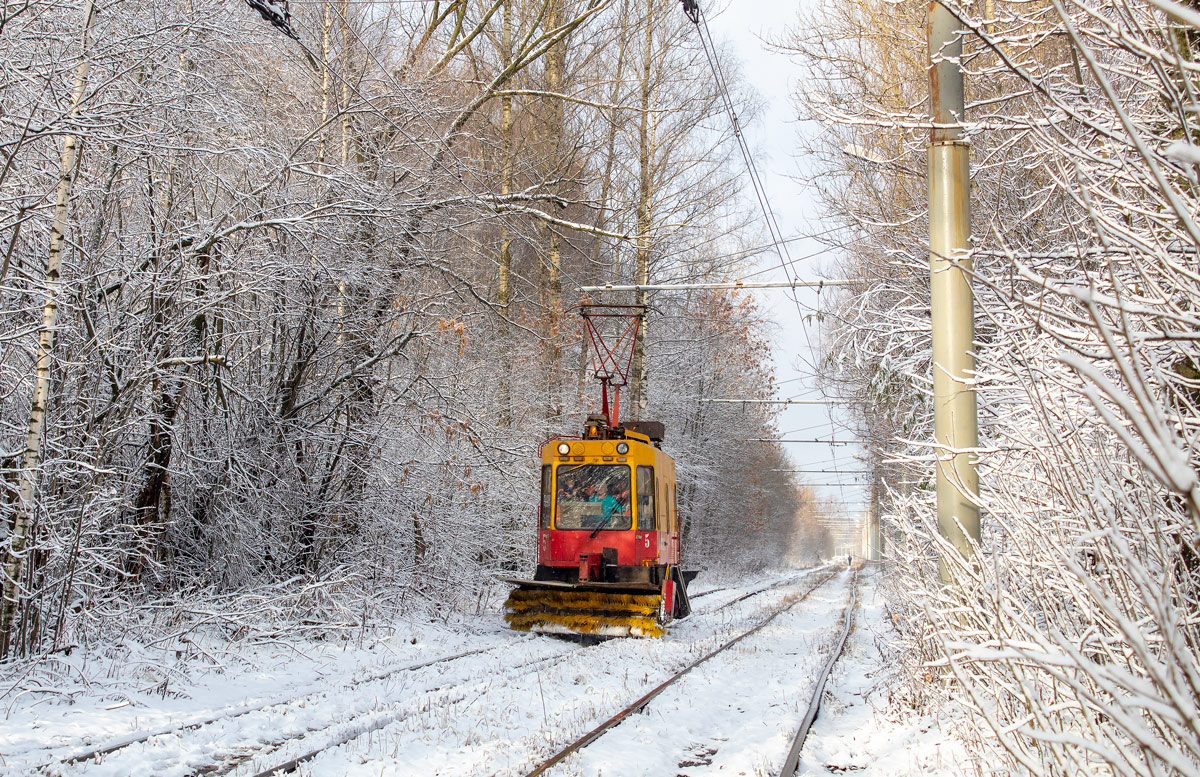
591,497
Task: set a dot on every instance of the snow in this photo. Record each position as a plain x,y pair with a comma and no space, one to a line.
498,711
860,731
1182,151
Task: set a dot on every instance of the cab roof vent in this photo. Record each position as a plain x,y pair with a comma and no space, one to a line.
655,430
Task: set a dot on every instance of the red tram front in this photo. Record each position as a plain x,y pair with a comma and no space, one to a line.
608,537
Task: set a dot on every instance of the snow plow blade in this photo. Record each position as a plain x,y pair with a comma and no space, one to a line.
583,610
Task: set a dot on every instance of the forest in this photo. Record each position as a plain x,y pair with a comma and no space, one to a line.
287,308
288,302
1070,641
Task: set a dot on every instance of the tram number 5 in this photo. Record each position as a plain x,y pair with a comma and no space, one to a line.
646,537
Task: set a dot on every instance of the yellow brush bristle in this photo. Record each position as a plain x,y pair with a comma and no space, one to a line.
602,625
583,612
524,599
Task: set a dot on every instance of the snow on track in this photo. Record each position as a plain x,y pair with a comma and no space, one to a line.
492,713
313,696
566,698
735,714
859,732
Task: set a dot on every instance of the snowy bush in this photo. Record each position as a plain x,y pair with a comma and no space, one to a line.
1073,636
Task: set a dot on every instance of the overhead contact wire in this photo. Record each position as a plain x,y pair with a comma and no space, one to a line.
697,16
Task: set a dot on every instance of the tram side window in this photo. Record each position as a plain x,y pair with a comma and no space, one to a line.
645,499
547,493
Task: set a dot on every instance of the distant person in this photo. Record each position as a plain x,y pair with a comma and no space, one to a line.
849,560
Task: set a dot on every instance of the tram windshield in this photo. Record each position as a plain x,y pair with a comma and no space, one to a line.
593,497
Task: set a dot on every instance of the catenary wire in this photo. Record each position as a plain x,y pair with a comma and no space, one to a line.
706,41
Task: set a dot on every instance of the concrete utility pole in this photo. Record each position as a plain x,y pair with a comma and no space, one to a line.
956,430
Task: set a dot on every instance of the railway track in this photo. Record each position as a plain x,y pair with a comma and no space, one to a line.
362,730
364,725
233,713
792,761
777,584
285,752
641,703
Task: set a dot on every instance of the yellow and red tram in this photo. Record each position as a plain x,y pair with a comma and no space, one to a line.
608,543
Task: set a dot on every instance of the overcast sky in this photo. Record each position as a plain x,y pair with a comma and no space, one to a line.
773,139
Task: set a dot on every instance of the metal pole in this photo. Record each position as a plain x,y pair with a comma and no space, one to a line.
825,471
879,548
815,442
876,525
951,306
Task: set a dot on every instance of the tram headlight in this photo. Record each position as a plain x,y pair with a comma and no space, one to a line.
563,448
622,448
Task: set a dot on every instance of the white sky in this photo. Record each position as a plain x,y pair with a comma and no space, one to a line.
773,140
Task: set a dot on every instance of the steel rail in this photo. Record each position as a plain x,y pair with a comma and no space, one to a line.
641,703
294,763
383,720
792,762
237,712
755,592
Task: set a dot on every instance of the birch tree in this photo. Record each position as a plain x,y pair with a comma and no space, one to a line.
32,454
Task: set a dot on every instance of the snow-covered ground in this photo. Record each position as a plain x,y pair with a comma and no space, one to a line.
506,705
858,731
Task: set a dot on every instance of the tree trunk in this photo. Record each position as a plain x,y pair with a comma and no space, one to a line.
638,387
151,507
31,459
506,163
552,293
